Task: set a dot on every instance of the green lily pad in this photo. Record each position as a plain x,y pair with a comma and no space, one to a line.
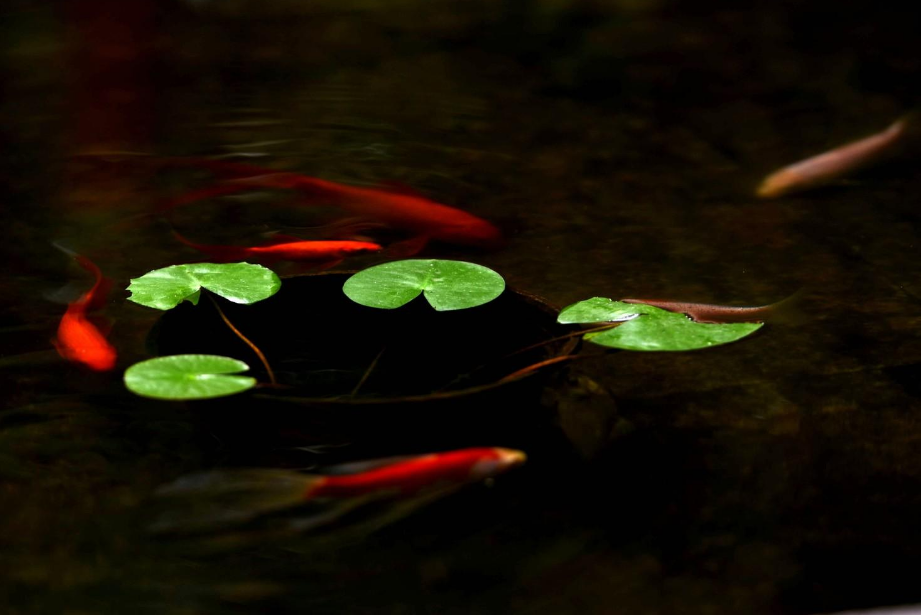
648,328
601,309
447,285
166,288
188,376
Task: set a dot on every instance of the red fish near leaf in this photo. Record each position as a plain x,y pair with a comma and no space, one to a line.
402,210
323,253
78,339
229,497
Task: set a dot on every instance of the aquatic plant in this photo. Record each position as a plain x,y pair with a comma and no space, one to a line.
188,376
445,284
636,326
199,376
164,289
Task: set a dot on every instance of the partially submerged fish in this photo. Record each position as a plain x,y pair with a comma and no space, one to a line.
399,209
322,253
829,166
221,498
710,313
78,339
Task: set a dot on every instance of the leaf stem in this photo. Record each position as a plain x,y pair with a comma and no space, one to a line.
603,327
559,338
245,339
546,362
367,373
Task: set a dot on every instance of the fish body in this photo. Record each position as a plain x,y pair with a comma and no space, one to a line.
829,166
709,313
320,252
414,474
399,209
78,339
216,500
409,212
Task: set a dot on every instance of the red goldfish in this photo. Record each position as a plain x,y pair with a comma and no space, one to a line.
709,313
325,253
829,166
78,339
222,498
410,212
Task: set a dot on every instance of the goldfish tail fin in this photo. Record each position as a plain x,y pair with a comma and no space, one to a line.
219,499
790,311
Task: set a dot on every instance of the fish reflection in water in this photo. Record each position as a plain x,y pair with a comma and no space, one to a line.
224,499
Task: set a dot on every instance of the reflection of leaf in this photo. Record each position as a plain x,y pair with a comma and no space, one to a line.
448,285
165,288
188,376
649,328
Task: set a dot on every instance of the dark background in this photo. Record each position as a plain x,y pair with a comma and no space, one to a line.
618,144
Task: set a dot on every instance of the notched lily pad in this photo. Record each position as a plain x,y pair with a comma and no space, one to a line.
447,285
601,309
648,328
166,288
188,376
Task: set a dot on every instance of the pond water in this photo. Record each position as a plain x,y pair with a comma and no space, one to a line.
617,145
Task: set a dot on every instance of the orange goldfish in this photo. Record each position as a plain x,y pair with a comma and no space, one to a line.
325,253
226,497
78,339
831,165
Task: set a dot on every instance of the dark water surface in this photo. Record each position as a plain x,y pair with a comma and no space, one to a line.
618,145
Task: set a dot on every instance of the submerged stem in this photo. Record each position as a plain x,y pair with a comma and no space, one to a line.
559,338
546,362
246,340
603,327
367,373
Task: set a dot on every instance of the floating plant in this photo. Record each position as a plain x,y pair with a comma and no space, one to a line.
199,376
446,285
166,288
188,376
636,326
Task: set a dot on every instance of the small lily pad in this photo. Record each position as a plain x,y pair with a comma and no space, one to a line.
648,328
601,309
447,285
188,376
166,288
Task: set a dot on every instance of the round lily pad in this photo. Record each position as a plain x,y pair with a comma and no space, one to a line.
166,288
447,285
188,376
601,309
648,328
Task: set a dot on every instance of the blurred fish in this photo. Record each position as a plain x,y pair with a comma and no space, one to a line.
78,339
399,208
286,248
715,314
222,498
834,164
